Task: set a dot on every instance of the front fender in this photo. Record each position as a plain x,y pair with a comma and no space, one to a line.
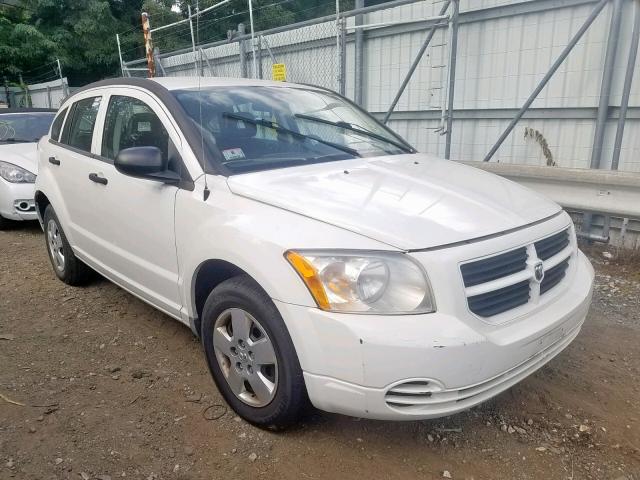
253,236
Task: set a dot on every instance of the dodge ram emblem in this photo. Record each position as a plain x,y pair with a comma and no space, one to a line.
538,271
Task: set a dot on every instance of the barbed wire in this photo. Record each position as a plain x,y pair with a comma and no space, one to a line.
46,76
45,65
213,12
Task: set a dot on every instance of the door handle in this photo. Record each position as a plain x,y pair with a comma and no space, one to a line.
94,177
54,161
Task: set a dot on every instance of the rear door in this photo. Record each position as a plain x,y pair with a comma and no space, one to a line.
69,162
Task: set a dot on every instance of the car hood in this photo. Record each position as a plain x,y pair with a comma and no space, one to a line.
407,201
23,155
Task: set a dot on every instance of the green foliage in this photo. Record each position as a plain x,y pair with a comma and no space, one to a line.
81,33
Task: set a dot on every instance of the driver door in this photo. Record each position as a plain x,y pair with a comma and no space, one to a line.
134,233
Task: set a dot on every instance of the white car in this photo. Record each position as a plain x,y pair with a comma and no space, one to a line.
20,130
317,255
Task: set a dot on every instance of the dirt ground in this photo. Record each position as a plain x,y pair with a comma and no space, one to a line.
114,389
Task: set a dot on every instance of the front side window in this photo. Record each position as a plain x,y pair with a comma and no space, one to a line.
131,123
261,128
24,127
78,131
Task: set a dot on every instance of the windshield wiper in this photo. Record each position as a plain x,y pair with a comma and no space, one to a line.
362,131
277,128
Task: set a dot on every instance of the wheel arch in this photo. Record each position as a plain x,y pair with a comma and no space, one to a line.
207,276
41,201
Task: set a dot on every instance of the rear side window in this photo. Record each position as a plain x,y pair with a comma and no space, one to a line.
57,125
78,130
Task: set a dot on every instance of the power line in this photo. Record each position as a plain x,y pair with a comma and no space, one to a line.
19,7
39,67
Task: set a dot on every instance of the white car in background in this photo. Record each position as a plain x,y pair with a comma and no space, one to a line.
20,130
317,255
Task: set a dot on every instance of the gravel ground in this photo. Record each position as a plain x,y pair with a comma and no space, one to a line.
105,387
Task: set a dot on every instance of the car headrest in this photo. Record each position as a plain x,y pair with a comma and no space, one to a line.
144,122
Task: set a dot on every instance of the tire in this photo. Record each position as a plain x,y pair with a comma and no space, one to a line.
241,301
65,264
4,223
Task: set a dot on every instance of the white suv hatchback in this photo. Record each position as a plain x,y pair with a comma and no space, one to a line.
317,255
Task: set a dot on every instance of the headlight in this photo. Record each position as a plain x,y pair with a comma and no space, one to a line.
364,282
14,174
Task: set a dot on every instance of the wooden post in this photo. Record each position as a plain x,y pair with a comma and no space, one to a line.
148,44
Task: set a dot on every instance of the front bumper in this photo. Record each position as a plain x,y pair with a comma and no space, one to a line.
16,201
427,366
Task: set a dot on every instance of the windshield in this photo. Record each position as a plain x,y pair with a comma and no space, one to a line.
24,127
261,128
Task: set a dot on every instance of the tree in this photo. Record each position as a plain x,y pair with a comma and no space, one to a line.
22,46
81,33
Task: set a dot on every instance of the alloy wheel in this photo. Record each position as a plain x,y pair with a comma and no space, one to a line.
54,241
246,357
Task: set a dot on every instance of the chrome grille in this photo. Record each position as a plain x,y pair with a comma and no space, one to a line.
502,282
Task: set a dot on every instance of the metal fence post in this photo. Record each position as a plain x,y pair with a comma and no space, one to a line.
158,61
572,43
626,89
414,65
254,72
193,40
453,52
26,100
342,56
62,84
48,96
260,57
359,55
203,55
6,92
120,54
605,86
243,52
603,107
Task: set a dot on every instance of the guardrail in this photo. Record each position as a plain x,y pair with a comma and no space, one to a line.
599,191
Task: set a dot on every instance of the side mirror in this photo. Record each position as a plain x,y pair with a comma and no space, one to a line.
145,162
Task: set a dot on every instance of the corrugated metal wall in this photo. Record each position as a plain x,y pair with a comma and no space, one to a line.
502,54
499,63
43,95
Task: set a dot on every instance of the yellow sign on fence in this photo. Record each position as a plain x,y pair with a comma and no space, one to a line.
279,72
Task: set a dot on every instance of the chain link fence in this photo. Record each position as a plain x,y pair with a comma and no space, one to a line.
504,49
310,53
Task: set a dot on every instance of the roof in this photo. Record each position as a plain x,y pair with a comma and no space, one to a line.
27,110
176,83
